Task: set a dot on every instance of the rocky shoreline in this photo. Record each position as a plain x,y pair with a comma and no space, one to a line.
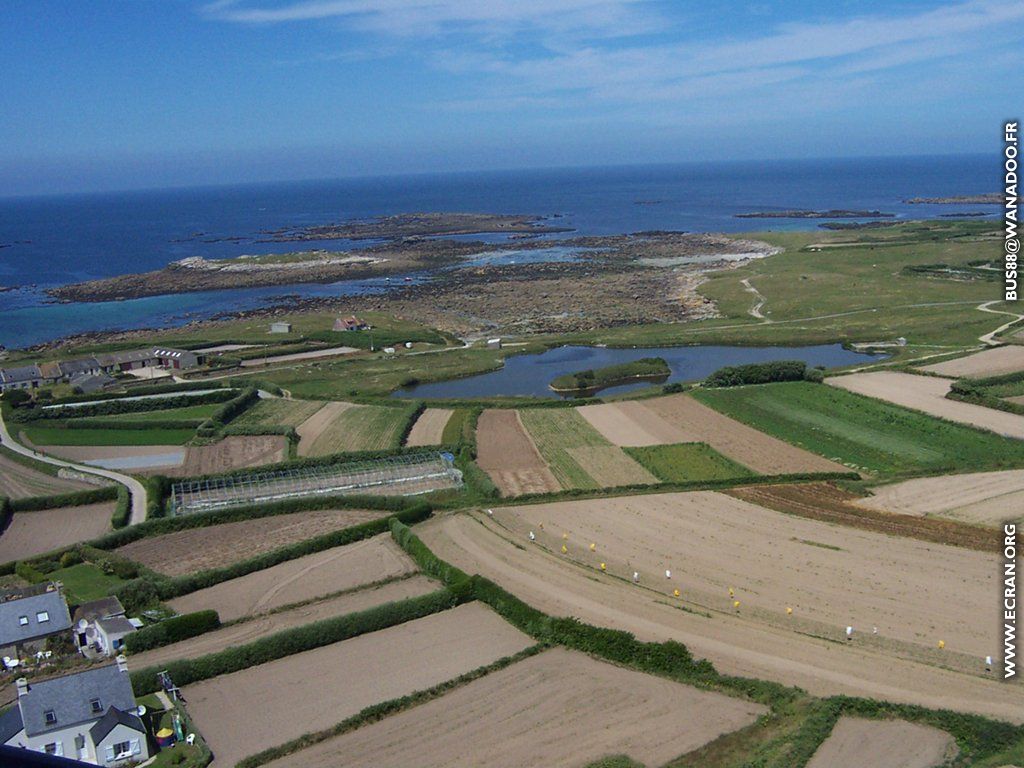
832,214
988,198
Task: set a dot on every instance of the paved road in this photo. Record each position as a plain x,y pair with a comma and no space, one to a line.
135,488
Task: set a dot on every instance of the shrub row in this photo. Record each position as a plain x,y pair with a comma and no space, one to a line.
410,420
27,461
72,499
113,407
158,488
172,630
231,409
147,389
297,640
757,373
123,509
104,423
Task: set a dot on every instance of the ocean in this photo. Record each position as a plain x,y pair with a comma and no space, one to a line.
49,241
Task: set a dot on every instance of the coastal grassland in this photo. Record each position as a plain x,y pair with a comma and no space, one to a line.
58,436
363,428
857,291
685,462
863,432
379,375
278,413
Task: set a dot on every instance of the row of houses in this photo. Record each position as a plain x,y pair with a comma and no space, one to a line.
80,370
92,715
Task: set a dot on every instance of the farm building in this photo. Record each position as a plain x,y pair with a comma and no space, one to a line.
183,359
30,615
90,716
281,327
494,343
101,626
115,362
351,323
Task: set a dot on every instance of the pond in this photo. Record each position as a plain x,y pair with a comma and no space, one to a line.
529,375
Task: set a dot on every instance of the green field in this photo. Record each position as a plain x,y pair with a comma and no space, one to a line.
683,462
456,429
85,581
863,432
59,436
363,428
278,412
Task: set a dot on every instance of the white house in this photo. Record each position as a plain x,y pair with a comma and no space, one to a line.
100,627
89,716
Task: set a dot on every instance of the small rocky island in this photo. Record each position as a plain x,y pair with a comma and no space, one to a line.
989,198
831,214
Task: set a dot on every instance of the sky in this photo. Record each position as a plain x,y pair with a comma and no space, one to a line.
119,94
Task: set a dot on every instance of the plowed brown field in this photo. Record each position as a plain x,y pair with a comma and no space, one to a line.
248,711
506,453
18,481
232,452
197,549
429,427
304,578
985,498
32,533
560,708
866,578
859,743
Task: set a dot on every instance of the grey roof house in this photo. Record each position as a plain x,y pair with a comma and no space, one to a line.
100,627
89,716
22,377
29,616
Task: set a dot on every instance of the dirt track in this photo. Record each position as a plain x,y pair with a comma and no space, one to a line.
322,573
506,453
429,427
560,708
985,498
859,743
313,427
681,419
232,453
261,626
18,481
755,643
32,533
245,712
928,394
197,549
989,362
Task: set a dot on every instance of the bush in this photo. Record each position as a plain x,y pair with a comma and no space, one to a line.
25,570
674,388
757,373
172,630
137,595
122,510
17,397
69,558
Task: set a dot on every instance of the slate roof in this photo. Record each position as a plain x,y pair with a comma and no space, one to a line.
10,724
19,374
70,698
115,625
51,602
82,365
99,609
111,720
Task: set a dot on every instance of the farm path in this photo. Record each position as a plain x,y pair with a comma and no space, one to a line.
734,643
136,490
989,338
755,311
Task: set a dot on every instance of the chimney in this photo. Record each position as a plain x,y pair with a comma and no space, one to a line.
122,663
22,684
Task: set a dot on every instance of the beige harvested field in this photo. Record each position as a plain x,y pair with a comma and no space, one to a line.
197,549
761,641
263,706
429,427
313,426
261,626
989,362
681,419
32,533
18,481
355,428
560,708
610,466
506,452
278,412
928,394
859,743
232,452
83,453
985,498
304,578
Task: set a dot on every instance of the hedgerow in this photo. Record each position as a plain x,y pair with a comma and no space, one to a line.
72,499
115,407
757,373
123,509
172,630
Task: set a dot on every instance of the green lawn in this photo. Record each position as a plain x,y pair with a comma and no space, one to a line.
85,581
684,462
58,436
861,431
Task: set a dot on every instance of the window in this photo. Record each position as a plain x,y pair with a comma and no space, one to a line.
96,705
42,616
23,620
51,716
51,749
123,748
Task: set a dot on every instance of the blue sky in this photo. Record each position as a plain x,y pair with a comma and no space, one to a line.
146,93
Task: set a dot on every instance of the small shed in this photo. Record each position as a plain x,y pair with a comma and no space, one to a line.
281,327
494,343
